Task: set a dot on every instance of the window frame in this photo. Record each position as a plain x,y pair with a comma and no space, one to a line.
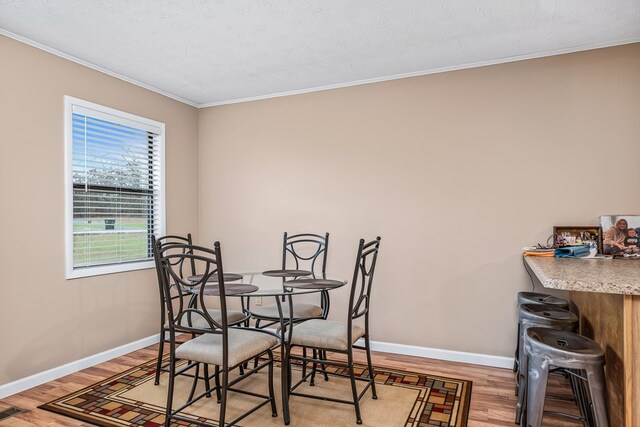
72,272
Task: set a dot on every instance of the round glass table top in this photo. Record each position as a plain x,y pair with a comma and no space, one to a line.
260,284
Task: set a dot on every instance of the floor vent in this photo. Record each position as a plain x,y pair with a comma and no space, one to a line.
10,412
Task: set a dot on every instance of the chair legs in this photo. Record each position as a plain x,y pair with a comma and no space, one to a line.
160,354
319,361
372,375
223,384
317,354
354,390
223,402
194,384
323,356
274,410
217,383
172,372
207,382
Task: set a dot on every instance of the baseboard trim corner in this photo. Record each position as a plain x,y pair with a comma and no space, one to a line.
408,350
69,368
441,354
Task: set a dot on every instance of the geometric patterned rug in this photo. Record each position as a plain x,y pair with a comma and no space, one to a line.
130,399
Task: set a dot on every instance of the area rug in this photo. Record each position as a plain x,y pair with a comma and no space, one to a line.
404,399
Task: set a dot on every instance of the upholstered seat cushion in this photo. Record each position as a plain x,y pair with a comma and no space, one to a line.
244,344
325,334
197,321
300,311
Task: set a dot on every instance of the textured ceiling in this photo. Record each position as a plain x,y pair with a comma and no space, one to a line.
215,52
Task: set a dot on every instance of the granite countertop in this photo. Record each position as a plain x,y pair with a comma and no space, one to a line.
609,276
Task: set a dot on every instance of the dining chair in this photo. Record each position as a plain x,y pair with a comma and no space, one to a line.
234,317
324,335
216,342
304,251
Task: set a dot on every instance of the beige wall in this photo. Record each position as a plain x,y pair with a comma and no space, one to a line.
45,320
452,170
456,171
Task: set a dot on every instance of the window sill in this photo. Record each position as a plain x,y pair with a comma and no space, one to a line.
77,273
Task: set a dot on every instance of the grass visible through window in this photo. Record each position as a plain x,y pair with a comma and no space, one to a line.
105,241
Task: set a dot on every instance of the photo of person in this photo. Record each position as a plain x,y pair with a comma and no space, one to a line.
614,238
632,242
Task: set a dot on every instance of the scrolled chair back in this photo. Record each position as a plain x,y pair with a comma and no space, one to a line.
159,242
360,296
306,250
192,316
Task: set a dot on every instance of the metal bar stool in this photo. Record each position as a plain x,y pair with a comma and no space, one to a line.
537,315
581,357
539,298
536,298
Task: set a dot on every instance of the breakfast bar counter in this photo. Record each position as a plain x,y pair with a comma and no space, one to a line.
605,294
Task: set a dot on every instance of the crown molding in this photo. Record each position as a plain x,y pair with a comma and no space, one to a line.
95,67
553,52
466,66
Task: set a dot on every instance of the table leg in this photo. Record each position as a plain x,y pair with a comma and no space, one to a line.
285,329
284,378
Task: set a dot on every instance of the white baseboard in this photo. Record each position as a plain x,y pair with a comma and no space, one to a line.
440,354
55,373
409,350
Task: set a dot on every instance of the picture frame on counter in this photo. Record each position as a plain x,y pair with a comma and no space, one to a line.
576,235
608,221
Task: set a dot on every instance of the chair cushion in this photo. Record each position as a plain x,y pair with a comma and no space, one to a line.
244,344
325,334
198,321
300,311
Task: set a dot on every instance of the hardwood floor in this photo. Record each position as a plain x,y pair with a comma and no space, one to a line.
492,399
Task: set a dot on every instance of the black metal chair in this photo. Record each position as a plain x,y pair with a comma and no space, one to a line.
316,247
216,343
323,335
234,317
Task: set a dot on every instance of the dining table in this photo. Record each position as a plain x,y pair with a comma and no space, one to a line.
280,286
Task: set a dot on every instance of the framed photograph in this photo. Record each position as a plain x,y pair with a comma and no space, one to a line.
575,235
624,229
608,221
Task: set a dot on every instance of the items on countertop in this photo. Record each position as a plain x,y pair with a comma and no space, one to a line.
540,252
572,251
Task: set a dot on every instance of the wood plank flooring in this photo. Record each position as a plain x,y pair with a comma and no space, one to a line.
492,399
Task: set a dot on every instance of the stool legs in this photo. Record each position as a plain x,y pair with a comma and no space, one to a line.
538,373
581,396
579,357
521,381
515,359
595,378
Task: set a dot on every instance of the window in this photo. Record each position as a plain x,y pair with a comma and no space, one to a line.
114,189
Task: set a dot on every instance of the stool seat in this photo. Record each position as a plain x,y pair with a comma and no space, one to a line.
580,357
540,298
545,314
563,345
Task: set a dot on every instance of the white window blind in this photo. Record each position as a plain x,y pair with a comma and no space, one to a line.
116,189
